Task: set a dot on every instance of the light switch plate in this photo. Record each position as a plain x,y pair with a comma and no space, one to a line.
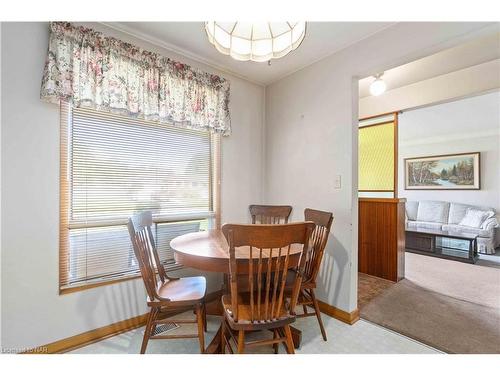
338,181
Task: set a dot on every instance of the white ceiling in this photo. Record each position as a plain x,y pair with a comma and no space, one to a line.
189,38
477,51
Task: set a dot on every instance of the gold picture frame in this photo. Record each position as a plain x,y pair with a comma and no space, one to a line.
444,172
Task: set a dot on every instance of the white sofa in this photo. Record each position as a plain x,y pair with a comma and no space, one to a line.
448,215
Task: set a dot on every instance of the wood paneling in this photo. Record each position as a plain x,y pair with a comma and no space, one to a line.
381,242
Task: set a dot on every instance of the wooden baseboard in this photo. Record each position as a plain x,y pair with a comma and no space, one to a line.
102,333
98,334
90,337
344,316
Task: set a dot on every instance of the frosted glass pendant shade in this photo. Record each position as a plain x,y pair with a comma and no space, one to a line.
255,41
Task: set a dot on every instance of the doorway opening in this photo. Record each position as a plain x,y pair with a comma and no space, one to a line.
428,162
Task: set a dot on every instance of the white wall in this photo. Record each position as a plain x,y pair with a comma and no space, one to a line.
311,136
462,83
33,313
466,125
303,154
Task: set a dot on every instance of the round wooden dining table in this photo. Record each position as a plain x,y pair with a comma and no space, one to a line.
209,251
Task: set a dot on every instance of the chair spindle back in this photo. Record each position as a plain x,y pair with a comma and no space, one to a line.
269,249
262,214
323,223
143,243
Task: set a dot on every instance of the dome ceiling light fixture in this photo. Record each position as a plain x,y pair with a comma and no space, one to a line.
378,86
260,42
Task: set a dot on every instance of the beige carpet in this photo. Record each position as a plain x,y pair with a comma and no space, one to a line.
468,282
452,306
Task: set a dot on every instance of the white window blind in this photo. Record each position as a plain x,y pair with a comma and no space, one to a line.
116,166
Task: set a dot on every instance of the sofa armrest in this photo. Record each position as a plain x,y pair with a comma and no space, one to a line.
490,223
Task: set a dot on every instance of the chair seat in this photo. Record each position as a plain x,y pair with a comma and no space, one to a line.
185,289
244,314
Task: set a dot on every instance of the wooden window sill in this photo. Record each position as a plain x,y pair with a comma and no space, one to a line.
90,285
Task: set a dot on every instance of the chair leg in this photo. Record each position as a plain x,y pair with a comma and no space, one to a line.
304,308
223,336
205,316
241,342
148,329
201,333
289,341
281,333
318,315
275,336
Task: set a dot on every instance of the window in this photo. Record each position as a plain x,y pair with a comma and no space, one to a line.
113,167
378,157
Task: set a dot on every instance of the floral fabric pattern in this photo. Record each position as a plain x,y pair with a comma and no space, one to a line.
91,70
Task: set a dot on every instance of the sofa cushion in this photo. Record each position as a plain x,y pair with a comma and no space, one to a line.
461,229
424,225
490,223
433,211
474,218
411,210
458,211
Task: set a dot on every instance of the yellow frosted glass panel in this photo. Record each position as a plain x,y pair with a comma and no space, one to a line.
376,157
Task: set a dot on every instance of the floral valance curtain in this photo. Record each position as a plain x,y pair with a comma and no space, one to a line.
91,70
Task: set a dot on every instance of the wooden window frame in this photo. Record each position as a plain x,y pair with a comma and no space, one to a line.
396,147
64,205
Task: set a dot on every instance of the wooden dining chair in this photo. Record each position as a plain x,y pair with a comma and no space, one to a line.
323,222
166,294
262,214
261,304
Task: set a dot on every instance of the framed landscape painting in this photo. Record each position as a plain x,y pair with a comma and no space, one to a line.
443,172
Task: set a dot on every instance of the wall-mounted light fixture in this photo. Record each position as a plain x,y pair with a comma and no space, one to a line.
378,86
